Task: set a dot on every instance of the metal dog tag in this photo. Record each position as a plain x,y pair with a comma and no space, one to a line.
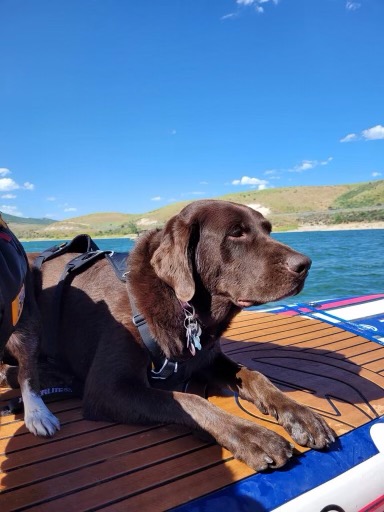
193,336
196,337
193,331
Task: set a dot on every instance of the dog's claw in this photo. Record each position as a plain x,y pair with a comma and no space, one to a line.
42,423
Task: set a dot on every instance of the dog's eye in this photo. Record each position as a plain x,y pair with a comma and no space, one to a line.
236,232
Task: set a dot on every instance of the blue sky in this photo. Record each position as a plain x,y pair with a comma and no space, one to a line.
120,105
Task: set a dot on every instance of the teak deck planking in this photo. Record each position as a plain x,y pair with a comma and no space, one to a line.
103,466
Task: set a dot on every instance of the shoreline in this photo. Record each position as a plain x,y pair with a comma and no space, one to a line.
302,229
337,227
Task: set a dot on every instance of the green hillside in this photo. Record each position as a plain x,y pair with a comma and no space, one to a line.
286,207
362,195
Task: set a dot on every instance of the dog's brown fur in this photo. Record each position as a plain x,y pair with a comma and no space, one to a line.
219,257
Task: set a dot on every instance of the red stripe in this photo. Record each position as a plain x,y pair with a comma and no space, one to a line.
353,300
5,236
375,506
331,305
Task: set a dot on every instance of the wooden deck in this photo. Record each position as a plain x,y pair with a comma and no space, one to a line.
103,466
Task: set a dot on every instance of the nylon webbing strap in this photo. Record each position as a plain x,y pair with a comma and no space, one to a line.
73,267
162,367
81,243
15,405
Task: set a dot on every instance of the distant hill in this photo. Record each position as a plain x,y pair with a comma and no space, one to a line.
25,220
287,208
27,227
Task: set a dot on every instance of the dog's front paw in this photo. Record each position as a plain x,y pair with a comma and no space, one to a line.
257,446
38,418
42,422
306,427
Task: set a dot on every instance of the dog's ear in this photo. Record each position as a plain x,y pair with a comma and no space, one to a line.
171,261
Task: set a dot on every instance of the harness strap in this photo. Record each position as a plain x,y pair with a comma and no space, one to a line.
162,368
81,243
15,405
73,267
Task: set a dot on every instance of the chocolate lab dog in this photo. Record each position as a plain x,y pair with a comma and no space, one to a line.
186,282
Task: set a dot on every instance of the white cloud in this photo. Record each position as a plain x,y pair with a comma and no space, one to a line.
193,193
256,4
352,6
374,133
375,174
252,182
70,209
8,196
156,198
349,138
7,184
11,210
306,165
229,16
51,198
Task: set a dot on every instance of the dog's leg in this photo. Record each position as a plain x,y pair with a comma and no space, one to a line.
37,417
9,376
305,426
255,445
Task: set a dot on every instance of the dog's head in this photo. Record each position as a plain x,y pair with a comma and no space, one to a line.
228,247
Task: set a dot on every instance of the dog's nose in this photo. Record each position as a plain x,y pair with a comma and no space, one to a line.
298,263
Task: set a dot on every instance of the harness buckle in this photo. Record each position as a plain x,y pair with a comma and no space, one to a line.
168,369
138,319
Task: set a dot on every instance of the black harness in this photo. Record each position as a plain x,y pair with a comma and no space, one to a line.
162,368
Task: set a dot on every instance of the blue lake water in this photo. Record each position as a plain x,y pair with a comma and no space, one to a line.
344,262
